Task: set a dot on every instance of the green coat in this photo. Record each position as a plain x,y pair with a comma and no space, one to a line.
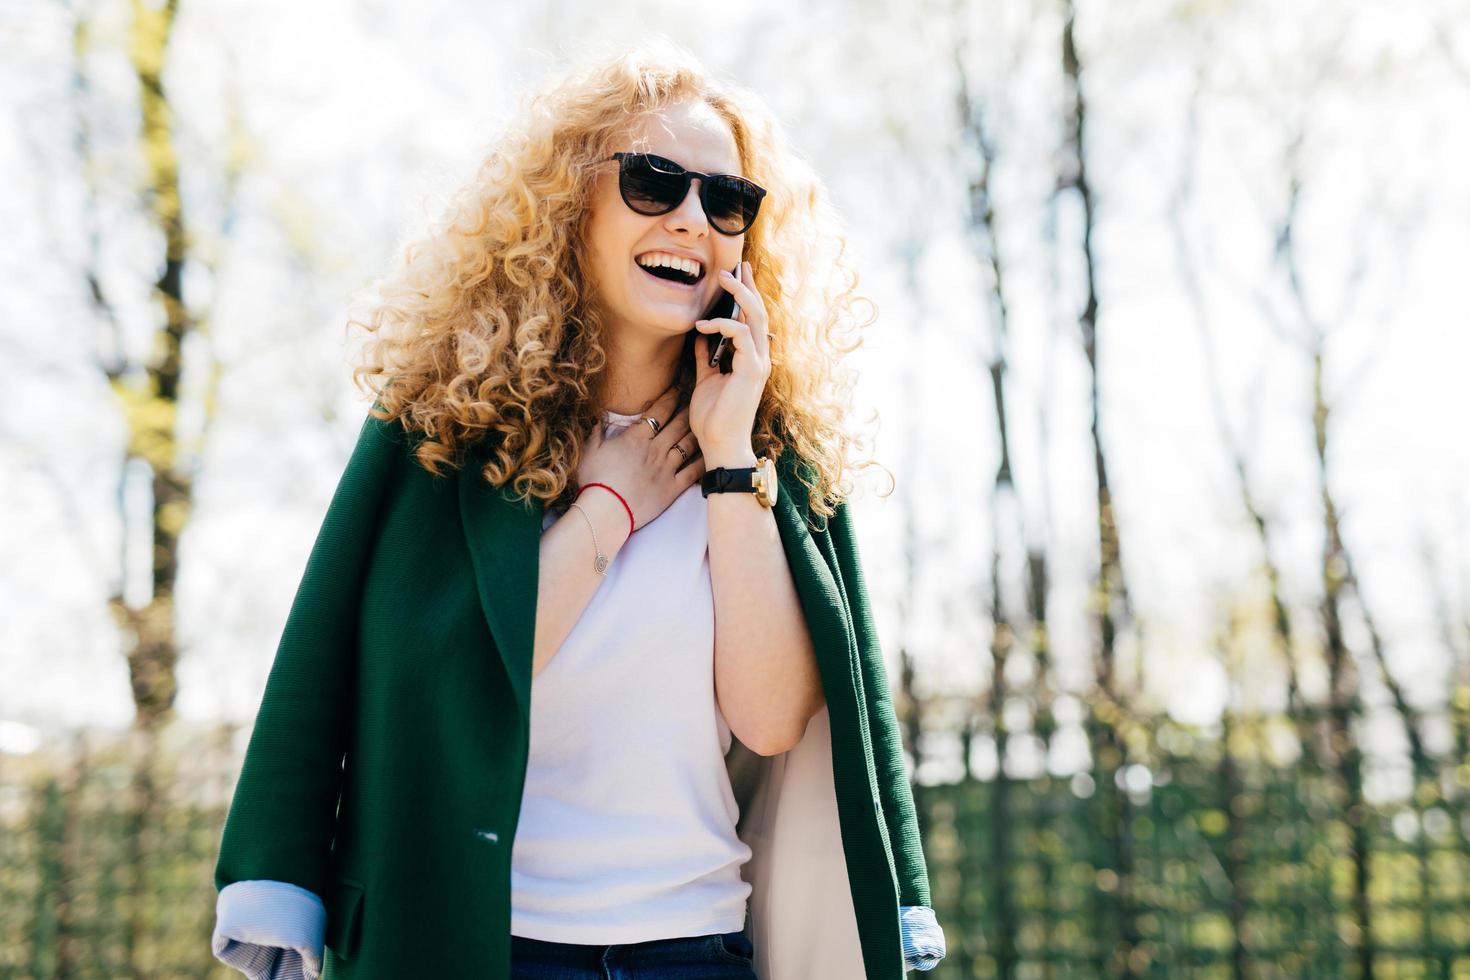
386,765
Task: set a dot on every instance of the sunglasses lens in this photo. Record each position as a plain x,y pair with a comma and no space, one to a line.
732,204
655,185
652,184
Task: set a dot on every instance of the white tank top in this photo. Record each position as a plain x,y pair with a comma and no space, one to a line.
627,825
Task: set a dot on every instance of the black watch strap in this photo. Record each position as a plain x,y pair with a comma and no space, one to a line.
740,479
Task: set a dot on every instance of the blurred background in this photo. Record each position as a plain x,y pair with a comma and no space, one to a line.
1174,580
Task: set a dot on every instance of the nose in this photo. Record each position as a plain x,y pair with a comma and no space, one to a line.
689,215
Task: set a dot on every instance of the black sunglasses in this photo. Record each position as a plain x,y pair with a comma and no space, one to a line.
651,184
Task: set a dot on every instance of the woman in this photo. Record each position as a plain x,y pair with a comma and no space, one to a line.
497,743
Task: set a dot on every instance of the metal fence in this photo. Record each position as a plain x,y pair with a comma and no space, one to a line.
1202,865
1199,864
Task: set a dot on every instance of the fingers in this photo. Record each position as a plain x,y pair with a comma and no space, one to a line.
676,432
739,332
752,308
682,454
744,295
663,407
694,470
662,411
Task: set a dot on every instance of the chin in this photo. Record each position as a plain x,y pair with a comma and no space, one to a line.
676,309
675,322
673,316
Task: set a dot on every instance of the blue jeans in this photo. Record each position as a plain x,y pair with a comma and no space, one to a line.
717,956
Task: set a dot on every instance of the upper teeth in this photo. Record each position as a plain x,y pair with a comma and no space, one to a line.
672,261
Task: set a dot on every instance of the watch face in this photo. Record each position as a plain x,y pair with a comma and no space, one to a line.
769,485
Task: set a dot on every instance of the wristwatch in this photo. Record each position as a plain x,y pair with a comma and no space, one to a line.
759,479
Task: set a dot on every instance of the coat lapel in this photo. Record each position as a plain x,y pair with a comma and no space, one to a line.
504,539
801,916
802,920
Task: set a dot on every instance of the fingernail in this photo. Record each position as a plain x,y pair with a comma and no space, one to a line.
726,273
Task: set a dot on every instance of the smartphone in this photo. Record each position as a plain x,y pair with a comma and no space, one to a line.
724,307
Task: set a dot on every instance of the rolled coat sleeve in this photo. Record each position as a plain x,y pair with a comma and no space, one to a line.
270,930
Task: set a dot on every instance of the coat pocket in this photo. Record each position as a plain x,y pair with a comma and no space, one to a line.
344,916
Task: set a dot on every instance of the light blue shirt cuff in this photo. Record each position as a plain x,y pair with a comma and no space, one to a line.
270,930
923,940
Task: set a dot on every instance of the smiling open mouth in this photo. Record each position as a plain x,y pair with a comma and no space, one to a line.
671,275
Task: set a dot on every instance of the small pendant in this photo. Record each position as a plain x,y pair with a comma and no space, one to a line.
601,564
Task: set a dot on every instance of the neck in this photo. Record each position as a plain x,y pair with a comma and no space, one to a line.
638,374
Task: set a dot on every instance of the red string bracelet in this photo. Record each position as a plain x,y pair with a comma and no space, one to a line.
615,494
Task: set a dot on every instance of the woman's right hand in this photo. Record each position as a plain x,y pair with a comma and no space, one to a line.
645,468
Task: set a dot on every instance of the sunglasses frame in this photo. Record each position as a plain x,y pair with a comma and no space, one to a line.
687,176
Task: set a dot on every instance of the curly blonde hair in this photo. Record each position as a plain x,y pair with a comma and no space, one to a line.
484,337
